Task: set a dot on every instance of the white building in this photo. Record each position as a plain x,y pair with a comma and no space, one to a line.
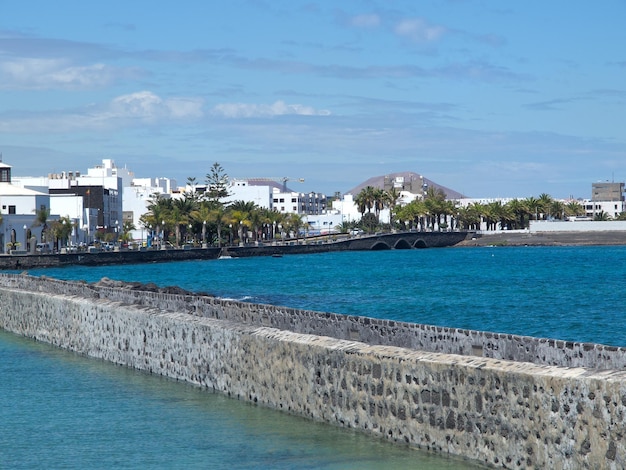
137,197
323,224
611,208
242,190
93,201
18,208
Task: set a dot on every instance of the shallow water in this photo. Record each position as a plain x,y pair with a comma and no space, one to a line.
63,411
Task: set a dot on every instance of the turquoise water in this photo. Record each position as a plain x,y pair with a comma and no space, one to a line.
60,410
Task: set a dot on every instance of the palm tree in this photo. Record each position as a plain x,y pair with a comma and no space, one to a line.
240,220
520,209
256,222
533,206
413,213
545,201
180,214
391,201
601,216
365,200
219,217
378,199
557,209
41,220
159,209
202,215
294,223
471,216
125,236
574,208
274,219
61,230
494,214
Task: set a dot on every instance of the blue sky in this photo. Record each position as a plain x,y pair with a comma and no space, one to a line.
489,98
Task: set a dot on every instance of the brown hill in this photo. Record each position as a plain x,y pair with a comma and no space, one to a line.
411,182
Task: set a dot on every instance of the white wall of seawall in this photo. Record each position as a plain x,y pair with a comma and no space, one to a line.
537,226
497,412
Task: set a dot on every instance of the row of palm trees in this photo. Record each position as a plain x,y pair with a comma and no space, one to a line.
202,218
435,211
197,219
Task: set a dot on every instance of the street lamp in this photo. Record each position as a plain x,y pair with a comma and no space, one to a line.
25,239
162,234
204,243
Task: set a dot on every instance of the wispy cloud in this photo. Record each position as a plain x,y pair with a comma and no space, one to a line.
370,20
146,105
41,74
419,30
278,108
140,109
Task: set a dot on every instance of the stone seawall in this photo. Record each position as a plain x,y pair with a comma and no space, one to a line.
499,412
34,261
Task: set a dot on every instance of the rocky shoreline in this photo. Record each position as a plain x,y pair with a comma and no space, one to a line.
546,239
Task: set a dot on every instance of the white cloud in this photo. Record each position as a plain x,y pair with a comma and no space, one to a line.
148,106
139,108
418,30
366,21
279,108
38,74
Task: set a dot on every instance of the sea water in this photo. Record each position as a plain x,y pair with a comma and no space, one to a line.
61,410
568,293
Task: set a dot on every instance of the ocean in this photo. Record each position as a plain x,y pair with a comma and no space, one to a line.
61,410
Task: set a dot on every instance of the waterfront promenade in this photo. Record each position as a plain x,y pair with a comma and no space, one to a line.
377,242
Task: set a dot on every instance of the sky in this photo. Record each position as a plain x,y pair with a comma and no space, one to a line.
485,97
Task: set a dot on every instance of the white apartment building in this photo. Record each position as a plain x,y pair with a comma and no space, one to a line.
18,208
242,190
93,201
611,208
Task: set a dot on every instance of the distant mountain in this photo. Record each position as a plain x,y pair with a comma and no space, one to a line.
410,181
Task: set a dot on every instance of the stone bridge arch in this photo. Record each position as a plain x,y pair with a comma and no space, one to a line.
402,244
420,243
380,246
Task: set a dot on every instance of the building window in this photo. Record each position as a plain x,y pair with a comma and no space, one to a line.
276,201
11,209
293,199
282,199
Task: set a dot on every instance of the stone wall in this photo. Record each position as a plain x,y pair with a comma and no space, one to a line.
540,351
501,413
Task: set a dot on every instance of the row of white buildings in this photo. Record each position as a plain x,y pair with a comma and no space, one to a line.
105,197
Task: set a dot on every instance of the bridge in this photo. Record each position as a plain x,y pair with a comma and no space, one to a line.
377,242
